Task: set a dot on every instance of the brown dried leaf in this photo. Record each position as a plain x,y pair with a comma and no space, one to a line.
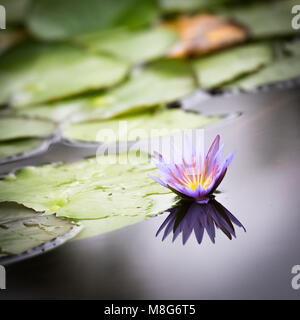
204,33
10,38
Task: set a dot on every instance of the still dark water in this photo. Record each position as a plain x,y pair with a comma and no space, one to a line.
261,189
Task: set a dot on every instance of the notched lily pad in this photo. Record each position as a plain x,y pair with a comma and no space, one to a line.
141,126
283,69
179,6
91,228
265,18
228,65
34,73
11,150
57,20
12,128
161,82
132,46
90,189
293,47
25,233
56,111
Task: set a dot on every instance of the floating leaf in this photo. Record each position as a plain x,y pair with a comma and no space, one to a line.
141,126
90,189
56,111
19,147
133,46
228,65
12,128
175,6
265,19
23,231
281,70
161,82
34,73
204,33
293,47
56,19
96,227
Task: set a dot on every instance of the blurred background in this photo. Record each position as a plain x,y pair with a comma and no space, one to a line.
69,68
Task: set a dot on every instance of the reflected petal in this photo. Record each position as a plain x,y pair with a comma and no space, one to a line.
191,216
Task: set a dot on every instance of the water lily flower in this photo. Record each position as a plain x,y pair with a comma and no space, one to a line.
190,216
193,175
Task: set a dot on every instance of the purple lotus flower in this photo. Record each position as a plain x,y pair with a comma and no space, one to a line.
190,216
194,176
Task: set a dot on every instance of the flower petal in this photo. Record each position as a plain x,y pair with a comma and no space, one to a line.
158,180
213,149
222,173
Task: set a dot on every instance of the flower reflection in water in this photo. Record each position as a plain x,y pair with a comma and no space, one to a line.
191,216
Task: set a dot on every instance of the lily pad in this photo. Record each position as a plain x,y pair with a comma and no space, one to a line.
176,6
19,147
281,70
228,65
141,126
133,46
293,48
23,231
266,18
35,73
91,189
161,82
91,228
12,128
56,19
56,111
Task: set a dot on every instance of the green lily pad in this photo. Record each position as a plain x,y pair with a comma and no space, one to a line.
133,46
228,65
281,70
90,189
19,147
293,48
56,19
91,228
56,111
35,73
140,126
175,6
265,19
162,82
12,128
22,230
159,83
